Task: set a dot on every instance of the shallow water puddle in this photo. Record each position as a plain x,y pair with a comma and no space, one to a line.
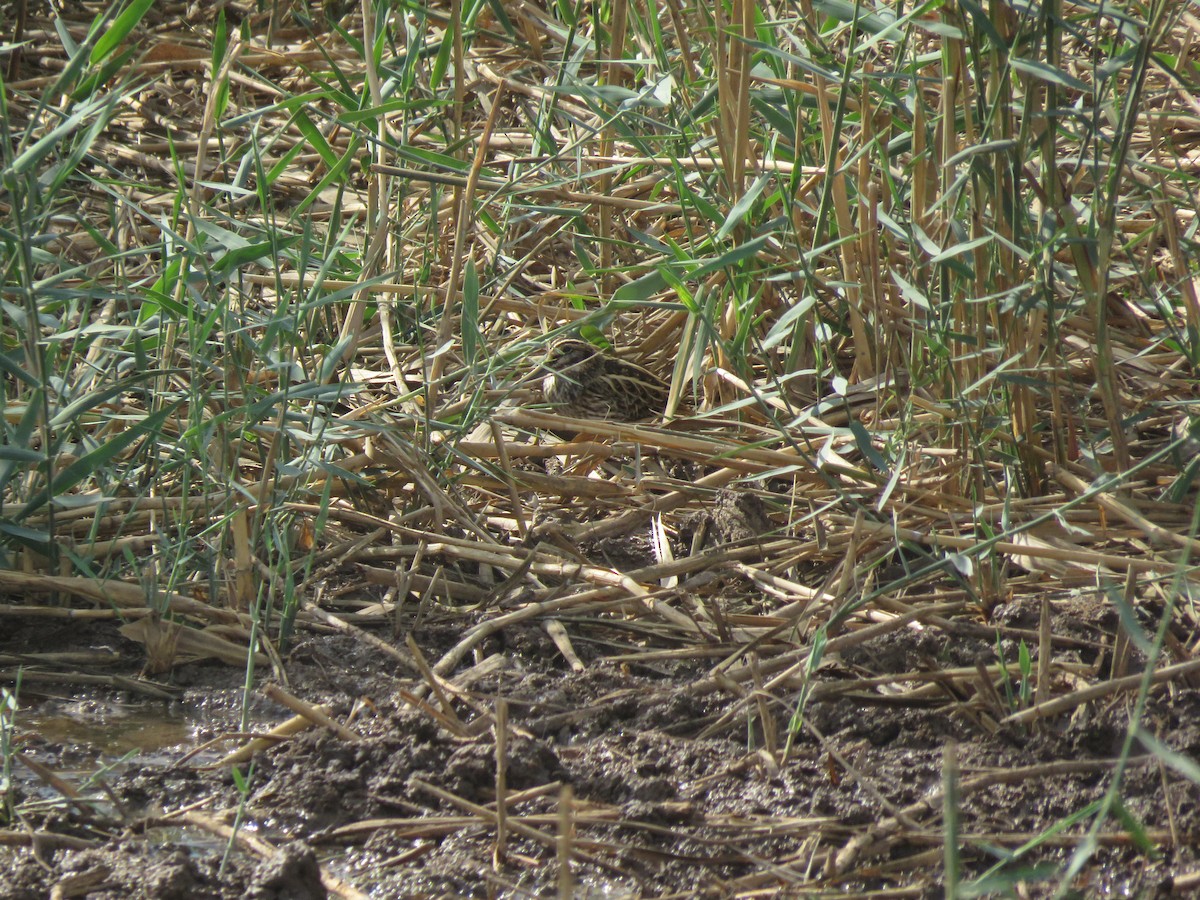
109,727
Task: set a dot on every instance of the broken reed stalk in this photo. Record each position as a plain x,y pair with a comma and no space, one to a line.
315,714
488,817
281,732
259,847
564,847
500,848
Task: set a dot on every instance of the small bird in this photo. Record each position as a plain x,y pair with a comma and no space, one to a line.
585,383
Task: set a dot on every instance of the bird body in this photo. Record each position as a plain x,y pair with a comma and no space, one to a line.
583,382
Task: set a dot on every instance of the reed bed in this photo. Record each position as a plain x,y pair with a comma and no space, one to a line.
278,281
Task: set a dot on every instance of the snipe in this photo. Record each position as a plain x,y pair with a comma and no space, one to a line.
583,382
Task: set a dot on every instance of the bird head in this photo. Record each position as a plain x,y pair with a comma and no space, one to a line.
566,356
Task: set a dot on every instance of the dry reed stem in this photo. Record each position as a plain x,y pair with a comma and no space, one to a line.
313,713
260,847
948,447
281,732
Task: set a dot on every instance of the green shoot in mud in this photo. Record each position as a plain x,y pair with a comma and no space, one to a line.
8,726
951,823
242,783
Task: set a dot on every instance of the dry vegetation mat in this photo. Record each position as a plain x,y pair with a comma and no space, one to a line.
892,593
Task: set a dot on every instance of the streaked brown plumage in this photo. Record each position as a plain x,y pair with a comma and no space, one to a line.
585,383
